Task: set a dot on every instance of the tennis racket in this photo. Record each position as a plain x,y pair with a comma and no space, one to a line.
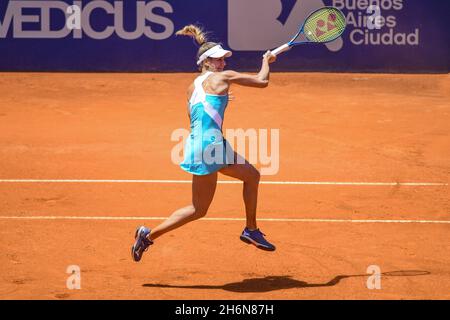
321,26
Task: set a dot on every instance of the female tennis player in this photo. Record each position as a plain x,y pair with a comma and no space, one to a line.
206,151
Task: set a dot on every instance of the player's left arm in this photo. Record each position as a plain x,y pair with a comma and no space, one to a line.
260,80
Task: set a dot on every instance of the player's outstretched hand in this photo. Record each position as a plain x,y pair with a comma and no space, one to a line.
269,56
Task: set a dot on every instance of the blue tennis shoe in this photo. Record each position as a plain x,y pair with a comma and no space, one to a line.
141,244
256,237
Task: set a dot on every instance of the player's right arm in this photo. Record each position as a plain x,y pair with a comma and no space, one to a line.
260,80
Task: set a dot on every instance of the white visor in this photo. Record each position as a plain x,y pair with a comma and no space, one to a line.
214,52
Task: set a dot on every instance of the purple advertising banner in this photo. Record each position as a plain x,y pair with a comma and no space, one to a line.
139,36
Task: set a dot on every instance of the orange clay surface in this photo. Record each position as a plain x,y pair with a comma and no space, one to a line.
333,128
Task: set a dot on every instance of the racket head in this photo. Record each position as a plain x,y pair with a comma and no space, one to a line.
322,25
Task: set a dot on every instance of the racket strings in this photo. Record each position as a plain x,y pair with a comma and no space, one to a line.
325,25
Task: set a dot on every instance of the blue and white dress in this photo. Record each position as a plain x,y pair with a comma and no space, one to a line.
206,151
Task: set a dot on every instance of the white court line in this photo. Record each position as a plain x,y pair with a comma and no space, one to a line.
407,184
222,219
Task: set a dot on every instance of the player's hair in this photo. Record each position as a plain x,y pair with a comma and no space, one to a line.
200,36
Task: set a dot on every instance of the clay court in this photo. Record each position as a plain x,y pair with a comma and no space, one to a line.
363,180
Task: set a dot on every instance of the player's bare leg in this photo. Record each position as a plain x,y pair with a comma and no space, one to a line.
250,176
247,173
203,189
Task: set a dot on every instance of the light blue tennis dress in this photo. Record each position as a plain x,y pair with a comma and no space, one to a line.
206,151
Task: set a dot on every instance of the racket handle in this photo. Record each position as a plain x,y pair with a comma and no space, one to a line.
280,49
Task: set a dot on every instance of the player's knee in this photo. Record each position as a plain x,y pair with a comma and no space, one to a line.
199,213
254,176
191,209
258,176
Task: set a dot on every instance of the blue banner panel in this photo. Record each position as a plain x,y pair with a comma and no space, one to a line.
139,36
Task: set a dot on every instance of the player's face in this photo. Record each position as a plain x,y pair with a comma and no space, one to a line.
217,64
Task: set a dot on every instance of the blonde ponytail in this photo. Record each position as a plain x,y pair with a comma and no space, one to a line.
195,32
